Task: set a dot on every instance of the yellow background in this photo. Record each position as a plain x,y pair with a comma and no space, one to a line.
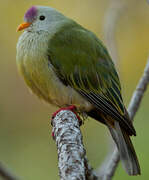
26,146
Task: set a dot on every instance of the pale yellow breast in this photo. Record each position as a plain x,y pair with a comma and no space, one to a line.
40,77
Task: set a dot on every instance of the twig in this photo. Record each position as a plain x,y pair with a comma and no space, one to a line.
139,92
108,168
71,152
5,174
89,171
114,13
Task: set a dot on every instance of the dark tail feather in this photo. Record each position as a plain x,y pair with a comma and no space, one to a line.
126,150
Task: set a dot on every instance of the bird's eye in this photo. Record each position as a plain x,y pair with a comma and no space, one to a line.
42,18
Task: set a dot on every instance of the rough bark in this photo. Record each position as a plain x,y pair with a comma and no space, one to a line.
71,152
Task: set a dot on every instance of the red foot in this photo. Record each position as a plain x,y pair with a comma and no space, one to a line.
52,134
70,108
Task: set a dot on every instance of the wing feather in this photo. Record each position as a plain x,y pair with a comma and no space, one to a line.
81,61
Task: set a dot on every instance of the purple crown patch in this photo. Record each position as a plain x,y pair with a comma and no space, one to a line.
30,14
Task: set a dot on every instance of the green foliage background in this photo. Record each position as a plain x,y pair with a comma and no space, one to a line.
26,145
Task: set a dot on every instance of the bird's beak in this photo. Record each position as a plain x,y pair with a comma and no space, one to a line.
23,26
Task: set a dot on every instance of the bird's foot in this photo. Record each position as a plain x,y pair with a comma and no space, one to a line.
70,108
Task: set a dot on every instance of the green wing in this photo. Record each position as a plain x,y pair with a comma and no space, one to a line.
81,61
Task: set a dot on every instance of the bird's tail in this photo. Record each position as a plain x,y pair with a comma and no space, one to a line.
126,149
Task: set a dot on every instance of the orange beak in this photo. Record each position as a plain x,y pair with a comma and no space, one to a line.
23,26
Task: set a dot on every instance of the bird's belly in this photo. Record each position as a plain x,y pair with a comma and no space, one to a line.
43,81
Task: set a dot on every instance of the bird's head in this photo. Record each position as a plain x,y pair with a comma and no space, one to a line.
39,18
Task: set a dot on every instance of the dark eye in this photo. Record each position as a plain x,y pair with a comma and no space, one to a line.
42,18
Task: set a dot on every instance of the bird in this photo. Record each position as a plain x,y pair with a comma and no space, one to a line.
67,65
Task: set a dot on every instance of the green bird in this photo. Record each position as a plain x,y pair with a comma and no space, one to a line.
66,64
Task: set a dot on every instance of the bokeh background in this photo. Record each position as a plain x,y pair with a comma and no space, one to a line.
26,146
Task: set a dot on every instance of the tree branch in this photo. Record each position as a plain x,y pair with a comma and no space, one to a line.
71,152
108,168
139,92
113,14
5,174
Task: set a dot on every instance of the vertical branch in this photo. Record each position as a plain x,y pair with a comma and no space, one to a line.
71,153
72,161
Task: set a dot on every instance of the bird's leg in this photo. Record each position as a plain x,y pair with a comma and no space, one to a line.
70,108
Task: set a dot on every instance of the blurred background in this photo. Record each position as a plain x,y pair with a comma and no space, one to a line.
26,145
